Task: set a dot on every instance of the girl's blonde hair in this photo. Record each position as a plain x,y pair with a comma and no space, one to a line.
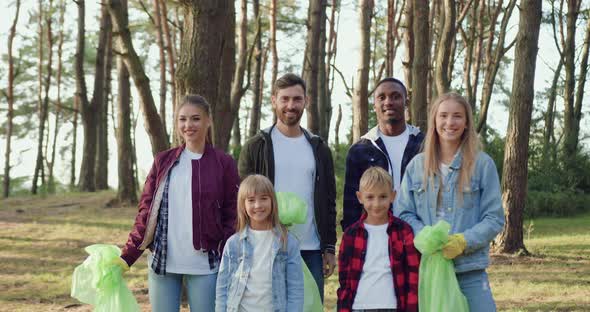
200,102
257,184
469,147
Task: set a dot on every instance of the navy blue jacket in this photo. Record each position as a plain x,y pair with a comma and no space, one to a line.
370,151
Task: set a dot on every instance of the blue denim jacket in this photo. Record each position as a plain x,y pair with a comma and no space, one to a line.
287,274
478,214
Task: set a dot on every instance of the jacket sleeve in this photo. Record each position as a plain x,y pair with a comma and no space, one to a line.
246,161
406,207
491,219
412,270
351,208
231,182
344,302
223,279
294,277
131,251
330,244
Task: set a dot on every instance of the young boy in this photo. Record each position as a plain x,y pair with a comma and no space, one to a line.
377,263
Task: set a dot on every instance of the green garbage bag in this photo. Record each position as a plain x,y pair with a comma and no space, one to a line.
99,282
293,210
438,289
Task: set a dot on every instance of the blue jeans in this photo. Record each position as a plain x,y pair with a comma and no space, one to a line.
315,263
476,288
165,291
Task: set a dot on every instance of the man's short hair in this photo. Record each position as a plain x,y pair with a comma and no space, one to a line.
286,81
394,80
375,177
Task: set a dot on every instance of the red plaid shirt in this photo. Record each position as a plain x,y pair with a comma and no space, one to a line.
404,259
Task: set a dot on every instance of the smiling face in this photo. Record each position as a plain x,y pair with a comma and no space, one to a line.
192,123
259,209
288,104
450,122
390,101
376,200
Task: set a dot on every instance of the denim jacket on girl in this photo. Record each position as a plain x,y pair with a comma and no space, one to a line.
478,214
236,262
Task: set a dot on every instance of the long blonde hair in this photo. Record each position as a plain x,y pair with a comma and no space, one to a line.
469,146
257,184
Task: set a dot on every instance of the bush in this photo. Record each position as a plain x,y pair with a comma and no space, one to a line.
558,204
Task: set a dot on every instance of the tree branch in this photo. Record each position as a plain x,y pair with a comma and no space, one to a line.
348,90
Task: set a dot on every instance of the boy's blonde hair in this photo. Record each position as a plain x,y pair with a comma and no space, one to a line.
257,184
375,177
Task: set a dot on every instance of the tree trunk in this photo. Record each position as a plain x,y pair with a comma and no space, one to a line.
443,53
337,126
102,149
237,89
514,177
550,114
170,53
273,41
74,138
206,62
159,20
126,192
409,43
256,99
315,15
152,122
39,161
580,86
10,111
51,178
569,136
360,99
420,64
91,110
494,54
323,101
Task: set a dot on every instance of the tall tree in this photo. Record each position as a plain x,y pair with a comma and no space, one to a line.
360,99
408,38
41,108
159,21
237,88
420,63
448,19
514,176
90,109
102,148
255,110
316,16
51,179
127,191
206,61
10,110
170,52
151,120
494,52
550,113
273,41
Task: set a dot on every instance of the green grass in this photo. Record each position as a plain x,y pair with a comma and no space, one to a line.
42,241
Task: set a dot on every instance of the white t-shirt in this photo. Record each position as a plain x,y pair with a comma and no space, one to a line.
396,145
295,172
258,292
444,171
375,290
182,258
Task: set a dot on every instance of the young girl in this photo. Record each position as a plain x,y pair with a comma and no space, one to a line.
186,213
261,264
453,181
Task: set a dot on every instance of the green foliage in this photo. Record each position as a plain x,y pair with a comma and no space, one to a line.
17,185
558,204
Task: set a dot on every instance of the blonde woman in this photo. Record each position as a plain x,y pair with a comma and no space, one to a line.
261,264
453,180
186,213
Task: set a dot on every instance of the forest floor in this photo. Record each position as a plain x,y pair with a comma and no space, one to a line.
42,240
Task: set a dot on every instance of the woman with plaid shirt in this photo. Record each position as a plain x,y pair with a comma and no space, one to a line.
378,264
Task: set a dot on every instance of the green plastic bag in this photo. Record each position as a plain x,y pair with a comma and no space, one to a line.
99,282
438,289
293,210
